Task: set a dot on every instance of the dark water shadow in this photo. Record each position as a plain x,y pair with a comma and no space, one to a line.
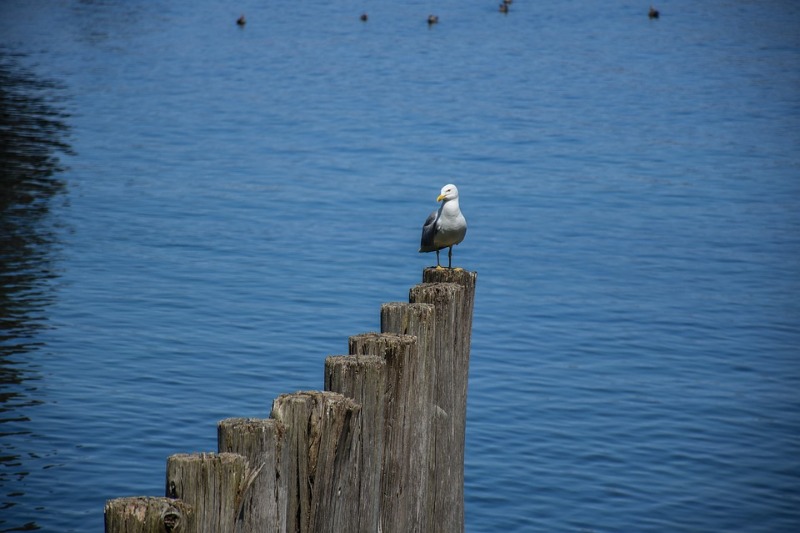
33,138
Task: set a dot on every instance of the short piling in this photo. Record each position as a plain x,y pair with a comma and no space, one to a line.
147,514
363,378
404,476
324,442
212,484
261,442
414,378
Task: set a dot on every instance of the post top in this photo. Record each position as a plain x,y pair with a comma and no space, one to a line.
449,275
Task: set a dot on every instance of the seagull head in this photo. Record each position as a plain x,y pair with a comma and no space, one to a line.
449,192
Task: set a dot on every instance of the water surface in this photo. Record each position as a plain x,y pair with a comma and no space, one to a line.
194,215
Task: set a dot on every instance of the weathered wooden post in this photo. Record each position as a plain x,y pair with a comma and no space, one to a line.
363,378
260,441
405,461
381,450
322,434
414,378
213,484
452,293
147,514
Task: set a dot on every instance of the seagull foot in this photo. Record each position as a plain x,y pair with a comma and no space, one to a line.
458,269
439,267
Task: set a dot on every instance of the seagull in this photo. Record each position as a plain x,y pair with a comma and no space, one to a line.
445,227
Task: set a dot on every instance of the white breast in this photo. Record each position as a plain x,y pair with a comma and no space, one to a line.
451,227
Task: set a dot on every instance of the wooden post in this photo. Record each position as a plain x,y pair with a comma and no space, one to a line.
213,484
146,514
261,442
323,460
416,320
405,461
381,450
363,378
468,280
451,292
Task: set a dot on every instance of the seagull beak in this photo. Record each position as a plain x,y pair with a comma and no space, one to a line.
440,198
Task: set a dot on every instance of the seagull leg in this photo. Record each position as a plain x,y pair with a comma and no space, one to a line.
437,260
450,258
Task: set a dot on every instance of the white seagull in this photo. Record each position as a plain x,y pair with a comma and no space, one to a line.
445,227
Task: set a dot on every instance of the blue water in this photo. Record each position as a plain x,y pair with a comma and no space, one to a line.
195,214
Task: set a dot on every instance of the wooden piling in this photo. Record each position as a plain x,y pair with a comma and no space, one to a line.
399,490
323,439
380,450
413,379
260,441
452,294
213,484
363,378
147,514
463,327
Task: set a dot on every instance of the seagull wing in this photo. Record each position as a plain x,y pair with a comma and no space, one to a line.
428,232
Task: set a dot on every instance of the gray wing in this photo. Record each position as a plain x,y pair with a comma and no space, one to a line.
428,231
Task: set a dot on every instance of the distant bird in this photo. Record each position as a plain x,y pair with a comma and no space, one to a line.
653,14
445,227
241,21
504,7
364,17
433,19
